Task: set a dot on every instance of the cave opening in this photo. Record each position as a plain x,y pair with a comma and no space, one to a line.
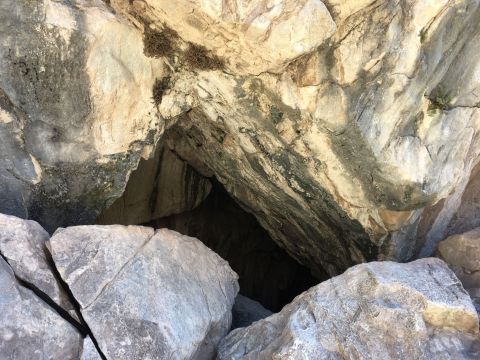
167,192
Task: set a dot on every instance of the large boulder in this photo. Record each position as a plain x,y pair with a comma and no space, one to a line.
89,352
29,328
144,294
76,108
462,253
23,245
379,310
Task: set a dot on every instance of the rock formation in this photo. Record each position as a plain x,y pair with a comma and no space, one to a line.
147,295
462,253
75,108
22,245
29,328
340,132
335,123
245,311
380,310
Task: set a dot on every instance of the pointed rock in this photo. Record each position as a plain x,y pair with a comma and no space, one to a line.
147,295
379,310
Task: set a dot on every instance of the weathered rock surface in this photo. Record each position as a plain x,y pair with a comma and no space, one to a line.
245,311
29,328
379,310
147,295
334,122
462,253
76,111
22,244
338,141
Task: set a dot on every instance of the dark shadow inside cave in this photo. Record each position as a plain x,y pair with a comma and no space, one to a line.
167,192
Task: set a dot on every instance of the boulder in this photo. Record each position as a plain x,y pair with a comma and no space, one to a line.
30,329
23,245
378,310
76,109
144,294
462,253
245,311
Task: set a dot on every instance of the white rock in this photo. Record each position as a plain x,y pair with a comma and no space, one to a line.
147,295
380,310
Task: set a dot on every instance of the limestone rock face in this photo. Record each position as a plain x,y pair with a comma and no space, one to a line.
379,310
462,253
338,140
76,111
30,329
147,295
22,244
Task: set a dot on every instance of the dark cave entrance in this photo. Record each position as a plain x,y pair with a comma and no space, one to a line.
167,192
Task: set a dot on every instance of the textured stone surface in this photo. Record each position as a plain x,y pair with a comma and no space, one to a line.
161,186
22,244
334,122
337,155
30,329
380,310
147,295
245,311
462,253
75,108
89,352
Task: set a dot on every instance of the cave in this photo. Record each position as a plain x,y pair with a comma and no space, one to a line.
167,192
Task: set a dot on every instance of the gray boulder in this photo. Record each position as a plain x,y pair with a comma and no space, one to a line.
147,295
379,310
29,328
76,112
245,311
22,243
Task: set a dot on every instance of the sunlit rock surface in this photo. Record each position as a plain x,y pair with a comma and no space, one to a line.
147,295
379,310
76,111
22,244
